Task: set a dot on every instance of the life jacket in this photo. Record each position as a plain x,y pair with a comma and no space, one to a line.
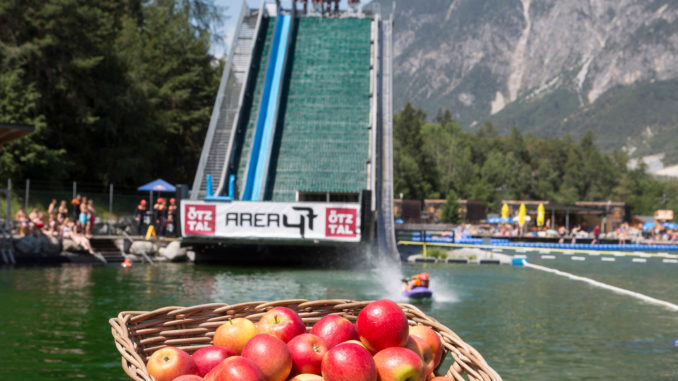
416,281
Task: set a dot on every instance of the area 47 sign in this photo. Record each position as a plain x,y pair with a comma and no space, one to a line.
296,221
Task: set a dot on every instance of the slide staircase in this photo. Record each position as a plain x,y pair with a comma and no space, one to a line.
232,93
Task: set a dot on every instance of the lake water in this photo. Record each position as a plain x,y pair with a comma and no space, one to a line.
529,325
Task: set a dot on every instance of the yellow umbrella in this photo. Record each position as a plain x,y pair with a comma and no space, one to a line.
504,211
521,214
540,215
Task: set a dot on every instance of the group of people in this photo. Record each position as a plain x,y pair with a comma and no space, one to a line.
326,7
76,224
163,217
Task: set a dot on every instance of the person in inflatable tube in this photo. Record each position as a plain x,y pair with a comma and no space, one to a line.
418,280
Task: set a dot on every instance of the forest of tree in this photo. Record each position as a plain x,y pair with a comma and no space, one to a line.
119,91
439,159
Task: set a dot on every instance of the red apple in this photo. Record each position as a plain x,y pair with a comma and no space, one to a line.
271,355
399,364
382,324
432,338
168,363
281,322
235,368
420,347
334,329
348,362
307,352
307,377
209,357
234,334
189,377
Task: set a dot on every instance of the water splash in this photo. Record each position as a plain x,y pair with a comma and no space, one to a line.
388,275
442,294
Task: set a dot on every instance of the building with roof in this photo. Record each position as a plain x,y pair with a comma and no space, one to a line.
10,132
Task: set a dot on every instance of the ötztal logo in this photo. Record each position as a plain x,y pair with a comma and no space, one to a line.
199,219
340,222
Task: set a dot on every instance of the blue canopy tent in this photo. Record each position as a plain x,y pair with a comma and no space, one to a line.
158,185
649,226
499,220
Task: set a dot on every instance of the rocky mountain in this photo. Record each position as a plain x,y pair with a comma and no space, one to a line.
549,66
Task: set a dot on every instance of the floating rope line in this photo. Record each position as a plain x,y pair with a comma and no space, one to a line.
618,290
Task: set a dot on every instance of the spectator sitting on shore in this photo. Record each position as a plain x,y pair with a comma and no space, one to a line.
62,212
562,232
574,232
34,216
52,227
82,217
91,218
71,231
52,208
20,217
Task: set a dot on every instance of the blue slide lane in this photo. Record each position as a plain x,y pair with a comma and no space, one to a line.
266,121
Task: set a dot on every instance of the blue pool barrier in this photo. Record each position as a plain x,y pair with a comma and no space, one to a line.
519,261
418,237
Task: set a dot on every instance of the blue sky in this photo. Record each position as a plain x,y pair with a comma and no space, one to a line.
219,49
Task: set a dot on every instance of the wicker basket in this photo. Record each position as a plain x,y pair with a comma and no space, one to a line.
138,334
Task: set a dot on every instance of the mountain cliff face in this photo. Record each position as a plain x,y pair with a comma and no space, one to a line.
547,66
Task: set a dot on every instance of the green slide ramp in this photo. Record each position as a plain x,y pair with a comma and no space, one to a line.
323,141
251,113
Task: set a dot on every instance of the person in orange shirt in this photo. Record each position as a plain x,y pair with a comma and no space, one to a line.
75,203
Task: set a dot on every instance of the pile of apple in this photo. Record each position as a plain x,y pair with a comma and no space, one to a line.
380,346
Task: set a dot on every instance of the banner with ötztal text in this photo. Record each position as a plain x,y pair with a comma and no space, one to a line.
271,220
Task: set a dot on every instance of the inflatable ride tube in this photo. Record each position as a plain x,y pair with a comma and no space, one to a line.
418,293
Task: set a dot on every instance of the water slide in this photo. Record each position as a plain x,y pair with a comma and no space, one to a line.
386,241
260,154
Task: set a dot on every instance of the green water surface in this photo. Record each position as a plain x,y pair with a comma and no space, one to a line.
529,325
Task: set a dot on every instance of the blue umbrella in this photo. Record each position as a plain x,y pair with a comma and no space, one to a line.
158,185
648,226
670,225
